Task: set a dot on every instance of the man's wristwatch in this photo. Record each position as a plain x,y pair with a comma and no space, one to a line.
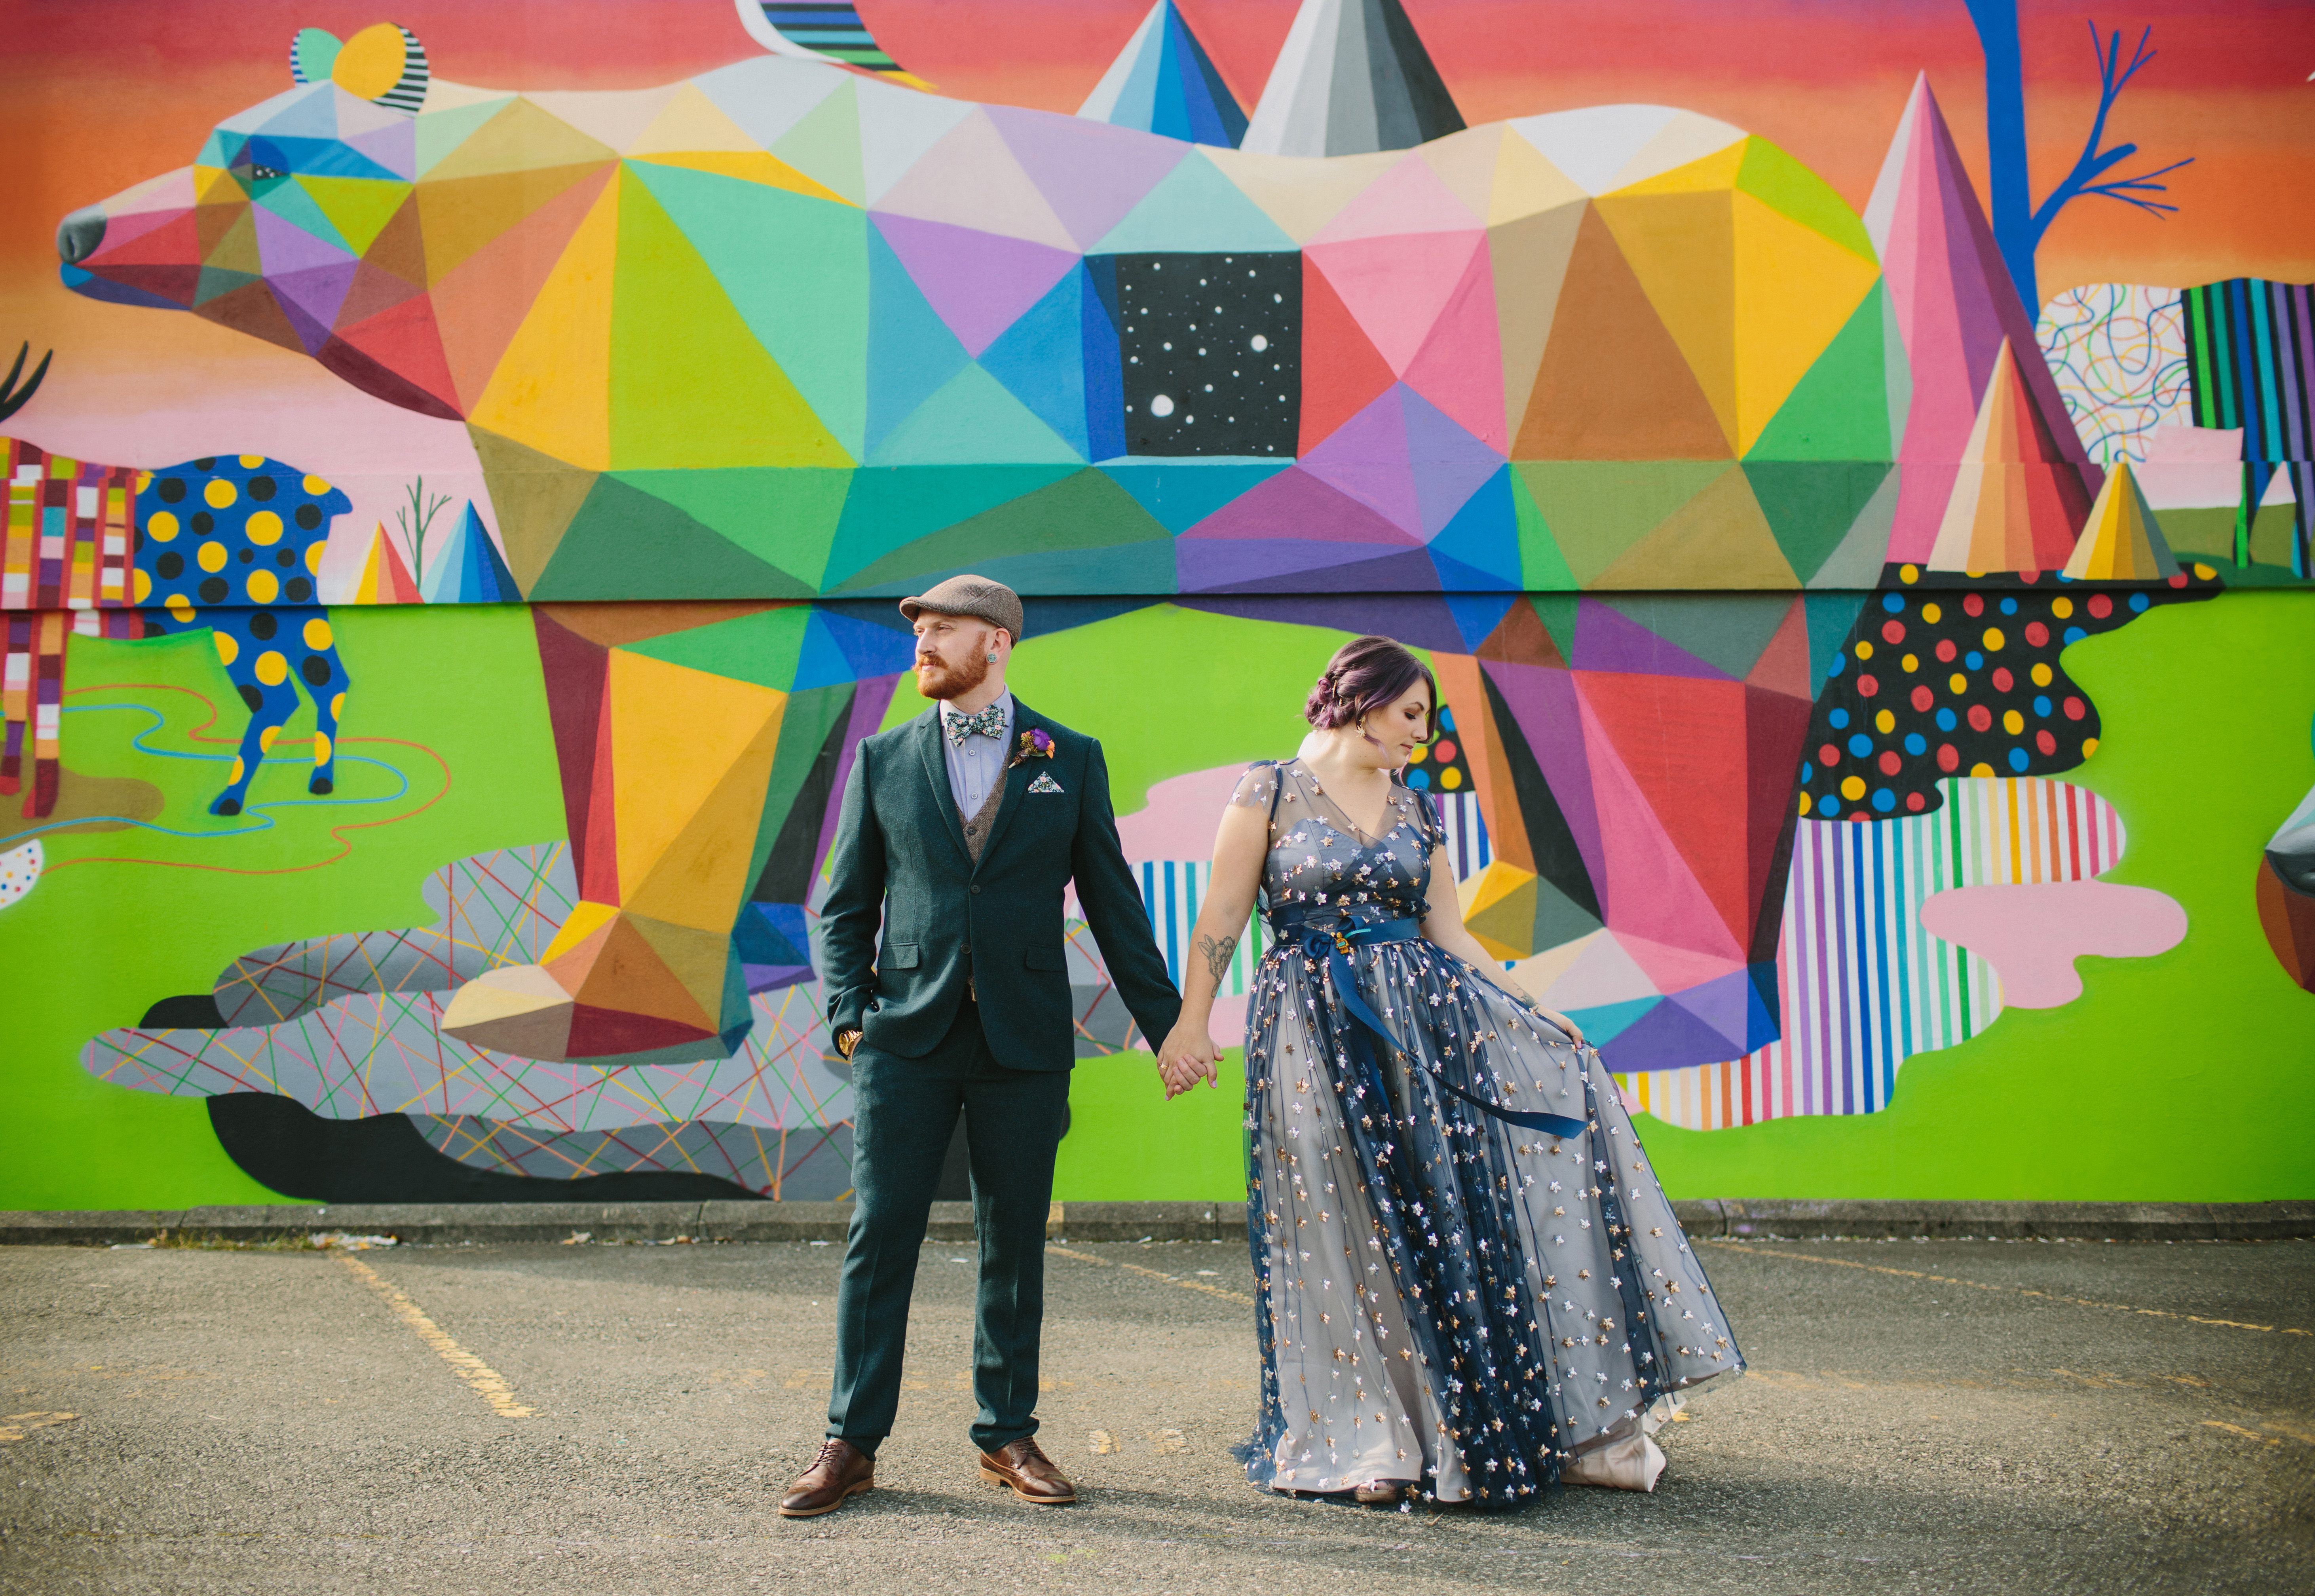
847,1040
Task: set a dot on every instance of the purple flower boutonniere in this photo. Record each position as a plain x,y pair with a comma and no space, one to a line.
1036,743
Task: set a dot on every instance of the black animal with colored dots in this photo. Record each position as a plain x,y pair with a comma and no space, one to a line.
235,545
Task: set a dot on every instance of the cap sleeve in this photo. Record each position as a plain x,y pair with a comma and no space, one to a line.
1257,788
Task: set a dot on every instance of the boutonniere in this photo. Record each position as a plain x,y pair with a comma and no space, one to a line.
1036,743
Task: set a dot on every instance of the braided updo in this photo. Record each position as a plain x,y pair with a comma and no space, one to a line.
1365,674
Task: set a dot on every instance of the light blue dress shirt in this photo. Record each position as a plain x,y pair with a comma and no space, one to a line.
975,769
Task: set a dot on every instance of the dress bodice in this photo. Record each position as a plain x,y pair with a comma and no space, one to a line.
1318,857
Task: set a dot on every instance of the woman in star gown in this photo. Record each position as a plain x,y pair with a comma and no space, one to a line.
1469,1283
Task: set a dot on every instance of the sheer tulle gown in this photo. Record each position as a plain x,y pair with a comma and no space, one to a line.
1471,1303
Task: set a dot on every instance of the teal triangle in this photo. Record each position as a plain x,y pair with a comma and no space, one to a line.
911,352
972,420
1180,493
295,206
1041,361
796,269
1195,208
889,510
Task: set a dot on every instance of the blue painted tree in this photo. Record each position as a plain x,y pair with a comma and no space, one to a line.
2018,224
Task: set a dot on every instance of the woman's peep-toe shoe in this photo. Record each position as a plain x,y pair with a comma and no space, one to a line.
1379,1494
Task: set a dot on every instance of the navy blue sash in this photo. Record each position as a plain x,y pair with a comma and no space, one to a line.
1331,941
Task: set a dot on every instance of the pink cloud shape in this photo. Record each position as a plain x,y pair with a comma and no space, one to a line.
2032,933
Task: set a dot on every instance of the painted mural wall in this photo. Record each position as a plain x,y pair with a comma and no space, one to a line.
462,468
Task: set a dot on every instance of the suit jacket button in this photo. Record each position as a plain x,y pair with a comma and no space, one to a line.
976,886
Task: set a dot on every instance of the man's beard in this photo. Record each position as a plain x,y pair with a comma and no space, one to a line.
953,681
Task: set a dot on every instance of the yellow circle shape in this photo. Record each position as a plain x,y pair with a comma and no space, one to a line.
144,481
1930,612
337,706
272,668
318,634
211,557
1908,574
2041,674
1450,779
2089,747
371,62
252,462
313,558
220,493
1958,683
1884,722
1980,769
1994,640
316,486
267,738
2061,608
239,771
264,527
2012,721
264,587
161,527
2204,572
1864,651
1853,788
321,747
228,651
144,586
1420,754
180,606
1804,804
1911,662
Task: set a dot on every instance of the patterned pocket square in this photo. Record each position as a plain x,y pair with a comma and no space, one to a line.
1044,784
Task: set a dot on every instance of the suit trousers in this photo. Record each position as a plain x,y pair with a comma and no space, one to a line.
904,1116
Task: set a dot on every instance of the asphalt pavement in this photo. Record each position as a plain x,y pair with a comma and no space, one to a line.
1939,1415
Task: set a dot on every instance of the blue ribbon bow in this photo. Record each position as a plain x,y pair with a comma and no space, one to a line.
1333,944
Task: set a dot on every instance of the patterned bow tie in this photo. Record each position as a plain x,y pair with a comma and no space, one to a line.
988,722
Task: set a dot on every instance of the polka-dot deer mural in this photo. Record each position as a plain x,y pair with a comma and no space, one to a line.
233,544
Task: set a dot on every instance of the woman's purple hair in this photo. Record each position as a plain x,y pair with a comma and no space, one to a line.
1364,675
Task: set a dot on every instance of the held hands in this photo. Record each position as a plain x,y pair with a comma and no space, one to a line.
1188,1053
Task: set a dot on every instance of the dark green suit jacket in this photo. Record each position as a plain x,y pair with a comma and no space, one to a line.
900,854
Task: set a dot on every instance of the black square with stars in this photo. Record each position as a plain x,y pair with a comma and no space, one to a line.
1209,351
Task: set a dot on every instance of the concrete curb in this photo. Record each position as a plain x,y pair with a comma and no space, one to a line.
1709,1218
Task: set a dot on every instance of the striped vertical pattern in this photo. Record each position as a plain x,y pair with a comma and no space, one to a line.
1174,889
64,556
1467,832
1861,985
1172,892
2250,360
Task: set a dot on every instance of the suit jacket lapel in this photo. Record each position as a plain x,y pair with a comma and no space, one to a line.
936,773
1015,779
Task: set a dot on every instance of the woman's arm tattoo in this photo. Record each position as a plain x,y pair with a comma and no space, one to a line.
1217,954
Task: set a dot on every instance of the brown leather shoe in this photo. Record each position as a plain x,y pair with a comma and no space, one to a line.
840,1472
1031,1474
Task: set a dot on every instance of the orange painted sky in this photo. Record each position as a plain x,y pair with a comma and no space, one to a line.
103,95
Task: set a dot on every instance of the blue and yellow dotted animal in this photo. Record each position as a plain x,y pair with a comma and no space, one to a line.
235,545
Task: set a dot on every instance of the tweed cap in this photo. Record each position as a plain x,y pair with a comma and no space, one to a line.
974,596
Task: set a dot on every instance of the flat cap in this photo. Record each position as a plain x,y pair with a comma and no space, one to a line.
974,596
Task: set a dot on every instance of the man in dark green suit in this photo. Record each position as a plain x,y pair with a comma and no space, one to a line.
958,833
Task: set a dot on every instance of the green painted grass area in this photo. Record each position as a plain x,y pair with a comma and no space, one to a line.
2188,1076
444,751
1127,1144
